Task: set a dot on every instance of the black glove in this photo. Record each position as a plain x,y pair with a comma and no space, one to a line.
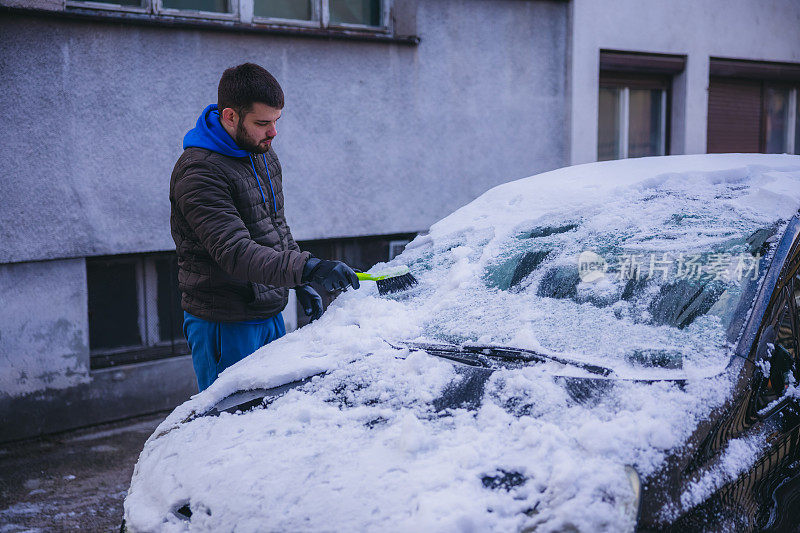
333,275
310,300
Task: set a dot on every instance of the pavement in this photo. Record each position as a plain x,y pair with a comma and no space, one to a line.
71,481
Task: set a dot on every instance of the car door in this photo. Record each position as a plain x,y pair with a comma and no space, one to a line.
771,488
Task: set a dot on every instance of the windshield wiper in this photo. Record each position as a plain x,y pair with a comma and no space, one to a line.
487,355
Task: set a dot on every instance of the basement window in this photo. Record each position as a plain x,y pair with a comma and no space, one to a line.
134,309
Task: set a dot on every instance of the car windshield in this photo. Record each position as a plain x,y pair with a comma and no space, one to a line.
658,278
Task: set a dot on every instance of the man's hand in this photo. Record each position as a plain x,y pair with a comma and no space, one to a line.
333,275
310,300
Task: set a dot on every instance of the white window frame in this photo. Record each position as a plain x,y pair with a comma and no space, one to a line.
231,14
147,319
623,104
147,285
110,6
396,247
791,124
315,22
242,11
385,19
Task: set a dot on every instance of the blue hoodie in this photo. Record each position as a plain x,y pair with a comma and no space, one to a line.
209,134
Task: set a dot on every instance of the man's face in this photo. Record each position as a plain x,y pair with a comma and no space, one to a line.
255,131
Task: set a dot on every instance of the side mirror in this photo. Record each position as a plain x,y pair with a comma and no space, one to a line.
774,374
781,369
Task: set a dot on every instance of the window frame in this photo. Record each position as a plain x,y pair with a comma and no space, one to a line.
769,74
321,18
109,6
241,12
626,82
233,13
315,22
641,70
385,7
792,111
148,319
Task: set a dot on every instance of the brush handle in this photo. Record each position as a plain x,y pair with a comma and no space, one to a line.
392,273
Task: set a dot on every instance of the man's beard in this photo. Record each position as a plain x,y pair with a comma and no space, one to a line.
246,142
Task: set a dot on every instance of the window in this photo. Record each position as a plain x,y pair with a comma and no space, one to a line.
781,334
633,104
753,107
632,120
363,15
781,115
186,8
134,309
286,9
358,13
179,7
396,247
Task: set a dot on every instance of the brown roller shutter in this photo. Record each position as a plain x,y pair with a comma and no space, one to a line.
734,115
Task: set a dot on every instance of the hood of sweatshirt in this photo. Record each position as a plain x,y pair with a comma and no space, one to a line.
208,133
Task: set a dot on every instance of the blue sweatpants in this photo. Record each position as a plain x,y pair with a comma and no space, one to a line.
217,345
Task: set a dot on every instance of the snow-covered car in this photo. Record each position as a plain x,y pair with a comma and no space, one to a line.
603,347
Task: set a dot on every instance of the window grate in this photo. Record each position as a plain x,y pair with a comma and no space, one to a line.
134,309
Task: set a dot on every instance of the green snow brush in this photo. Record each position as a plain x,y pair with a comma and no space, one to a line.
396,280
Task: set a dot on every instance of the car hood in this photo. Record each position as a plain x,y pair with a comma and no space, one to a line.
365,446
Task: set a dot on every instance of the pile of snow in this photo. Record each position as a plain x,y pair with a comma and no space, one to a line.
362,447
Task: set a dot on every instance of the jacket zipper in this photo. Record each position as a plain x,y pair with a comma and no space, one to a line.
272,212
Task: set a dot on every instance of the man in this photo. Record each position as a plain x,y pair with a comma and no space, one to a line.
237,259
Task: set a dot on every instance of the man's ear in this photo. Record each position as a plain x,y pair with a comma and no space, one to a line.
228,117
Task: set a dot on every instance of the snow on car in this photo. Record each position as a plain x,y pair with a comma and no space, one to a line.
575,340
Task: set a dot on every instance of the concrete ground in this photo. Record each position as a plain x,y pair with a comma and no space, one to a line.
71,481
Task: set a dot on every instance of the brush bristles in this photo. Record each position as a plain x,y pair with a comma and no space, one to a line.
396,284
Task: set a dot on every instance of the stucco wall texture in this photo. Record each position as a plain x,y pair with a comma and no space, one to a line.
44,333
737,29
375,138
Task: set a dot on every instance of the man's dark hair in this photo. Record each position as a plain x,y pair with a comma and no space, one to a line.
240,87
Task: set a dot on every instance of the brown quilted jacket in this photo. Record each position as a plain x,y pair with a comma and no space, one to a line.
236,256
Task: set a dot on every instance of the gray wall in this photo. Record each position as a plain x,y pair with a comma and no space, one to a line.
44,331
375,138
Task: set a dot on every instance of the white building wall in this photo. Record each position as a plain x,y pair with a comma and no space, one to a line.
766,30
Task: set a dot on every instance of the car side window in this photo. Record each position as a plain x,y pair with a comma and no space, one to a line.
780,342
796,302
783,361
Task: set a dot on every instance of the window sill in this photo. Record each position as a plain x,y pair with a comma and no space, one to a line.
171,21
127,356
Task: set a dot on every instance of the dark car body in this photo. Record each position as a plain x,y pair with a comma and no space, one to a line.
736,467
